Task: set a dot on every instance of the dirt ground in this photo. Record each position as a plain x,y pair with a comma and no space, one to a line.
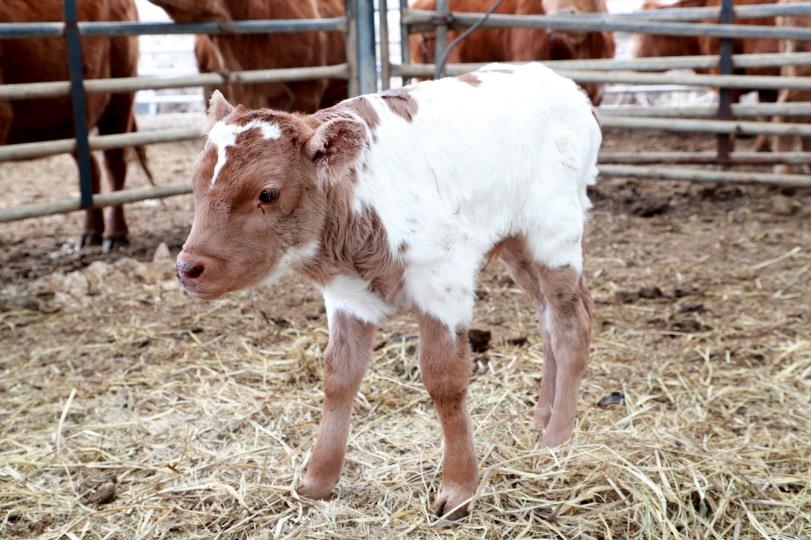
128,410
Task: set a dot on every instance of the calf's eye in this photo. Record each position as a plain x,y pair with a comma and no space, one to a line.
268,196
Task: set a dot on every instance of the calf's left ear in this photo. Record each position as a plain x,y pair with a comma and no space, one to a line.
336,143
218,108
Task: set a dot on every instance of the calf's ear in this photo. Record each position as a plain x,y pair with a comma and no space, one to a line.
218,108
336,143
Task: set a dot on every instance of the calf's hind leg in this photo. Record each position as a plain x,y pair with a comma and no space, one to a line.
564,308
524,271
567,320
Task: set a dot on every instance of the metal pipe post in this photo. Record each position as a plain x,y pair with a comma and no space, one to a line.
725,141
352,46
385,58
405,42
441,41
78,97
364,14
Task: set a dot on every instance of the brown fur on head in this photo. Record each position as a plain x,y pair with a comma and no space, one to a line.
260,203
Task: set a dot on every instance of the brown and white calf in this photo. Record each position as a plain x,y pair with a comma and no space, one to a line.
393,201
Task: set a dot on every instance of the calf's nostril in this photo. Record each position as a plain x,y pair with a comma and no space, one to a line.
195,271
189,270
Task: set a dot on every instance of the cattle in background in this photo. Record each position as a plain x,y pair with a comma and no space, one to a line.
793,143
520,44
647,45
239,52
711,45
31,120
392,202
652,45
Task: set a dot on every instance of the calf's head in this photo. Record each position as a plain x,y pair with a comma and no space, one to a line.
261,194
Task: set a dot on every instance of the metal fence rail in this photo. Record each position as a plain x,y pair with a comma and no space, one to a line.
423,20
132,84
107,29
657,63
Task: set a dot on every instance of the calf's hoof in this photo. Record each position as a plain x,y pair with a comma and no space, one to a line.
553,436
88,239
314,490
540,418
112,242
452,503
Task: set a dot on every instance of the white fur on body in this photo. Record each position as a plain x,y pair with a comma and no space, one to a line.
510,156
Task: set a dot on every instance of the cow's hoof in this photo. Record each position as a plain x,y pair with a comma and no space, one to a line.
113,242
452,504
313,490
88,239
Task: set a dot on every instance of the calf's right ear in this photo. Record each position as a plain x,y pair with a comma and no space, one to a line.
336,144
218,108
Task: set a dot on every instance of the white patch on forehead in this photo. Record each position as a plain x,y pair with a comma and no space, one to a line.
223,135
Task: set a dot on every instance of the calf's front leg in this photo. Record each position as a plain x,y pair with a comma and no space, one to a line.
347,357
445,369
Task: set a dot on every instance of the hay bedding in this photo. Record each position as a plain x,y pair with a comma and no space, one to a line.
130,411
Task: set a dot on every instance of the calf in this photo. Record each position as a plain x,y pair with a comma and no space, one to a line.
393,201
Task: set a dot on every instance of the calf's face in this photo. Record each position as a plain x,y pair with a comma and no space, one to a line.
260,189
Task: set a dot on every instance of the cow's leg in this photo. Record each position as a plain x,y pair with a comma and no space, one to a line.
347,357
445,369
93,217
6,114
117,118
115,230
524,271
567,318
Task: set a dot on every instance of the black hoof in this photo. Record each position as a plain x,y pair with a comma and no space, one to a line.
114,242
88,239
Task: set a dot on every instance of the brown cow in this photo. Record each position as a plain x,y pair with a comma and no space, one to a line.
35,60
793,143
267,51
651,45
648,45
520,44
208,61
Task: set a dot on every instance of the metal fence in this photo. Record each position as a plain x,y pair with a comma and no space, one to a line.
672,22
360,70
